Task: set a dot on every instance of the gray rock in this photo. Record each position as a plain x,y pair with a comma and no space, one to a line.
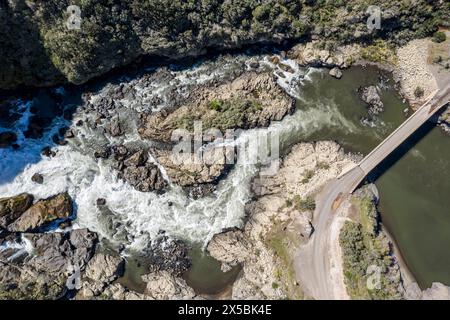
137,159
164,286
102,152
336,73
45,271
437,291
101,202
146,178
104,268
370,96
167,254
11,208
114,127
38,178
43,212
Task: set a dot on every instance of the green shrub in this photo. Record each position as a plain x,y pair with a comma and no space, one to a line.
437,59
216,105
419,92
308,204
439,37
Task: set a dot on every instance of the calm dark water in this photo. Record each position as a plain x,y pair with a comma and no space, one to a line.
206,277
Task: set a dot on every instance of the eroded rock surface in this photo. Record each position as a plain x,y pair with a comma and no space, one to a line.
43,212
279,221
251,100
39,266
11,208
370,95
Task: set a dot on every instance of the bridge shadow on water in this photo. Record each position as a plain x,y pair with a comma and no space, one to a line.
403,149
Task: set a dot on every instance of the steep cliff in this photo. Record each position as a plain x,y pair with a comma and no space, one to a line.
38,48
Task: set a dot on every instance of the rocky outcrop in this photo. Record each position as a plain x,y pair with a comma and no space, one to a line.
412,72
249,101
141,174
312,54
100,272
117,291
167,254
164,286
43,212
161,285
11,208
114,128
279,221
104,268
370,95
437,291
44,266
191,172
134,167
230,247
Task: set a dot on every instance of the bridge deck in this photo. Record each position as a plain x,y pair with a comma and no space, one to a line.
408,127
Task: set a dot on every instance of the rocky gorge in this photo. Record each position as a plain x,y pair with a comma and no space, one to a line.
116,189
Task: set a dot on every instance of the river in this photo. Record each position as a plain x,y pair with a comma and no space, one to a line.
414,205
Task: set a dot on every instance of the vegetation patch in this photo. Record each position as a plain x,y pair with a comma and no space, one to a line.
228,114
439,37
307,204
380,52
369,269
439,53
282,242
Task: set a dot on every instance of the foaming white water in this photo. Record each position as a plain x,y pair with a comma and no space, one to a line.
12,162
133,217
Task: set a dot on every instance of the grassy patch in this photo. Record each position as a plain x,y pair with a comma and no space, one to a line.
380,51
216,105
281,242
367,256
307,204
322,165
230,114
439,53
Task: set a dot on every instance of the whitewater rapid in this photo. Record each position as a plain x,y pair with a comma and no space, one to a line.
133,218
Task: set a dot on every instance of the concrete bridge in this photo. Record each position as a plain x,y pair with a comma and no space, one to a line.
437,101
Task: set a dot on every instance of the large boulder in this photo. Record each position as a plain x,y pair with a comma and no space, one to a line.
371,96
100,272
43,212
105,268
145,178
336,73
11,208
167,254
165,286
44,266
230,247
